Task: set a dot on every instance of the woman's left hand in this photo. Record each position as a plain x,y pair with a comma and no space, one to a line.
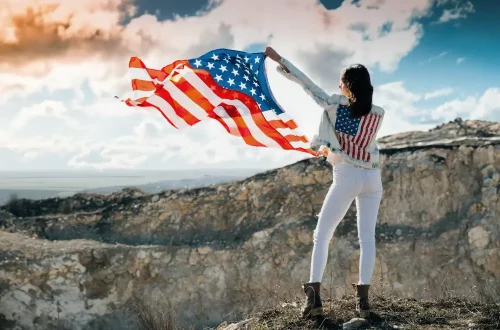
273,55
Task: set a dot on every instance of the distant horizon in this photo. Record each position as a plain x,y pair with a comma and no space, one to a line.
129,170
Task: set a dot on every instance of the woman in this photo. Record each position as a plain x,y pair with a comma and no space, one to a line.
347,137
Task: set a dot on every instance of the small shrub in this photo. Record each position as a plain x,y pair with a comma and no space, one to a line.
155,318
14,205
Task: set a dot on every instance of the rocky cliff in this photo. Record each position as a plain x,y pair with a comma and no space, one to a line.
75,263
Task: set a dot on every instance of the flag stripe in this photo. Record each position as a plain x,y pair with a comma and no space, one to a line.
194,94
166,110
240,125
350,146
222,117
372,133
136,66
362,129
179,110
341,141
143,85
366,135
295,138
184,100
279,121
141,74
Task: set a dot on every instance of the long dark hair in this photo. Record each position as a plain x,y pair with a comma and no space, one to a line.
357,79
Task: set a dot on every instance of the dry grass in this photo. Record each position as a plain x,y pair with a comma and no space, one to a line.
391,314
478,308
155,317
450,313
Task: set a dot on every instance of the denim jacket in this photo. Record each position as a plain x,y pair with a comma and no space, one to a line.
353,139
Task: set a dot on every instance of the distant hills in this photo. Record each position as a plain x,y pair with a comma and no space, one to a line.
163,185
45,186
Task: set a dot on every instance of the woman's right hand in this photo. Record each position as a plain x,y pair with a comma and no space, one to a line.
323,151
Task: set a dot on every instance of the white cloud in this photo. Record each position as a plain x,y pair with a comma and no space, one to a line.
108,107
460,60
43,144
460,10
438,93
485,107
399,106
121,153
395,96
149,129
402,113
50,108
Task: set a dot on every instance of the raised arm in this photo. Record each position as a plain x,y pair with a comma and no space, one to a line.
287,69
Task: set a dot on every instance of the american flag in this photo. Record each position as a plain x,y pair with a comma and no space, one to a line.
355,133
226,85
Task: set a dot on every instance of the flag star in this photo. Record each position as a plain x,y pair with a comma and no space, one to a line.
215,57
253,91
245,77
257,60
246,59
243,86
238,56
223,68
226,59
255,84
251,67
197,63
210,65
235,72
230,82
218,77
262,97
257,72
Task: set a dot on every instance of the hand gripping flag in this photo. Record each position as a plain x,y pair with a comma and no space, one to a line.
226,85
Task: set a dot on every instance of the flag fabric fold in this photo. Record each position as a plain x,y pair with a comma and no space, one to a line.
225,85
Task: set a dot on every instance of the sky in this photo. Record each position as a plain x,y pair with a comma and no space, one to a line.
62,63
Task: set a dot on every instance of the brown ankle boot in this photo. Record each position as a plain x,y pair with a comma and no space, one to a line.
362,301
312,306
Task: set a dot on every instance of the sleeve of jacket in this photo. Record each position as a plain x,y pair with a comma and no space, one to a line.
318,94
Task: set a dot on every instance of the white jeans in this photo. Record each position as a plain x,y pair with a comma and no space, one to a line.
349,183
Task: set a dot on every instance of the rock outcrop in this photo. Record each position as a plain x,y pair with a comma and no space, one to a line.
219,250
